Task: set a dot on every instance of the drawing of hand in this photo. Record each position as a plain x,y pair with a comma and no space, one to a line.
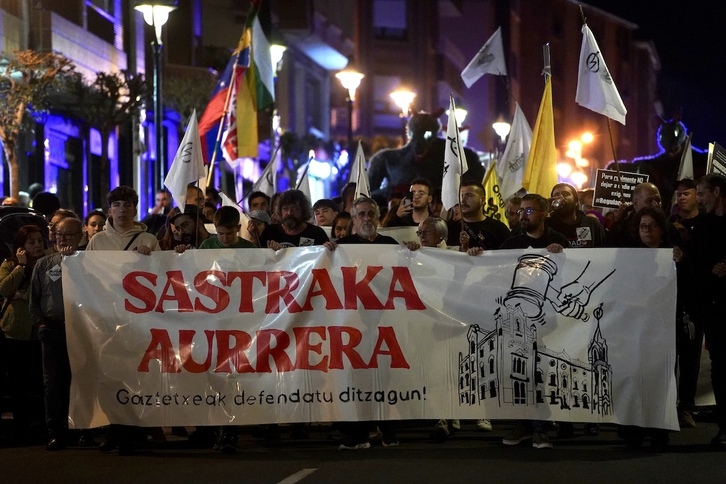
572,299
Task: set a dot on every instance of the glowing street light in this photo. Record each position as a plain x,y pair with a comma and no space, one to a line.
502,128
350,79
403,98
156,13
276,53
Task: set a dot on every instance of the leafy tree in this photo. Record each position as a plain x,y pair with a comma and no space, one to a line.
25,78
184,94
112,100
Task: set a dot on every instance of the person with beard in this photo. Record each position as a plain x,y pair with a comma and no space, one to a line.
535,234
566,218
533,231
365,213
478,230
708,253
185,230
510,211
293,211
582,232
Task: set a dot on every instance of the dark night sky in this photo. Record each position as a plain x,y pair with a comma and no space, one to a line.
689,39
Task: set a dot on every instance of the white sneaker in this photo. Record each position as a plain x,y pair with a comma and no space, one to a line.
484,425
541,441
351,446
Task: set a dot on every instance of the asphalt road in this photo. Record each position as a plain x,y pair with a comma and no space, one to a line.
468,456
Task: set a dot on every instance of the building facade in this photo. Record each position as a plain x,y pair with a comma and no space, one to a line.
508,366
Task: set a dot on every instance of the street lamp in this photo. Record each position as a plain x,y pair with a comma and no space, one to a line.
350,79
403,98
276,53
502,129
156,13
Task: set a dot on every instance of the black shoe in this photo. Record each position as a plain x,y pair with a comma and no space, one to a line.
109,444
86,440
592,429
55,444
720,438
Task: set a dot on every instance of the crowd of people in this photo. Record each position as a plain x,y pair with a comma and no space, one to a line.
34,366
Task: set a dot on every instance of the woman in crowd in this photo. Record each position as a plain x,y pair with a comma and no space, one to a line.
92,224
651,228
20,345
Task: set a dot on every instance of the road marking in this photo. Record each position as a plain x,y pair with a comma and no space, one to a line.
298,476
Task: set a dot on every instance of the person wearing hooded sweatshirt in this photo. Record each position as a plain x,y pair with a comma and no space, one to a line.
122,232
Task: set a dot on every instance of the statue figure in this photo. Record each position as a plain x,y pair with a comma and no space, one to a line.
422,156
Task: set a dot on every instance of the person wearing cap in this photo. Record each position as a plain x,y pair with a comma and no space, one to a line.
325,211
184,229
259,220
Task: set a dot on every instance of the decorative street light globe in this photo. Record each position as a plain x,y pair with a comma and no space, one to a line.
350,79
403,99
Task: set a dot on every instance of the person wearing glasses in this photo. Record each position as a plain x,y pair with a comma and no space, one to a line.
534,233
47,311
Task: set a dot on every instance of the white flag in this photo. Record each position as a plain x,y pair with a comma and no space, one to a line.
243,217
454,161
359,174
510,166
303,183
188,165
686,168
489,60
267,182
595,88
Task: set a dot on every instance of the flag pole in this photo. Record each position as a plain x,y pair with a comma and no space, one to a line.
221,121
305,173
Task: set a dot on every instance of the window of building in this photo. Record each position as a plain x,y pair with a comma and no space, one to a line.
390,19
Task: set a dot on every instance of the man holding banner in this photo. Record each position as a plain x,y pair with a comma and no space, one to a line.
294,210
478,230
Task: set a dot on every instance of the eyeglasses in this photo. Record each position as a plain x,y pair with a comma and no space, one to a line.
66,236
650,226
425,232
528,211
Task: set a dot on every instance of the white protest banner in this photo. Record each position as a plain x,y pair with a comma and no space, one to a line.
219,337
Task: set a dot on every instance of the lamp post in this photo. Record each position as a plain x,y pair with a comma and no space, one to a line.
403,98
156,13
350,79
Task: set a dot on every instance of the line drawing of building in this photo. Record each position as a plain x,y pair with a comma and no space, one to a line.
509,365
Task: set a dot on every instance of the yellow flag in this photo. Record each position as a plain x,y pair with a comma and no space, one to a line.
495,207
247,143
540,174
